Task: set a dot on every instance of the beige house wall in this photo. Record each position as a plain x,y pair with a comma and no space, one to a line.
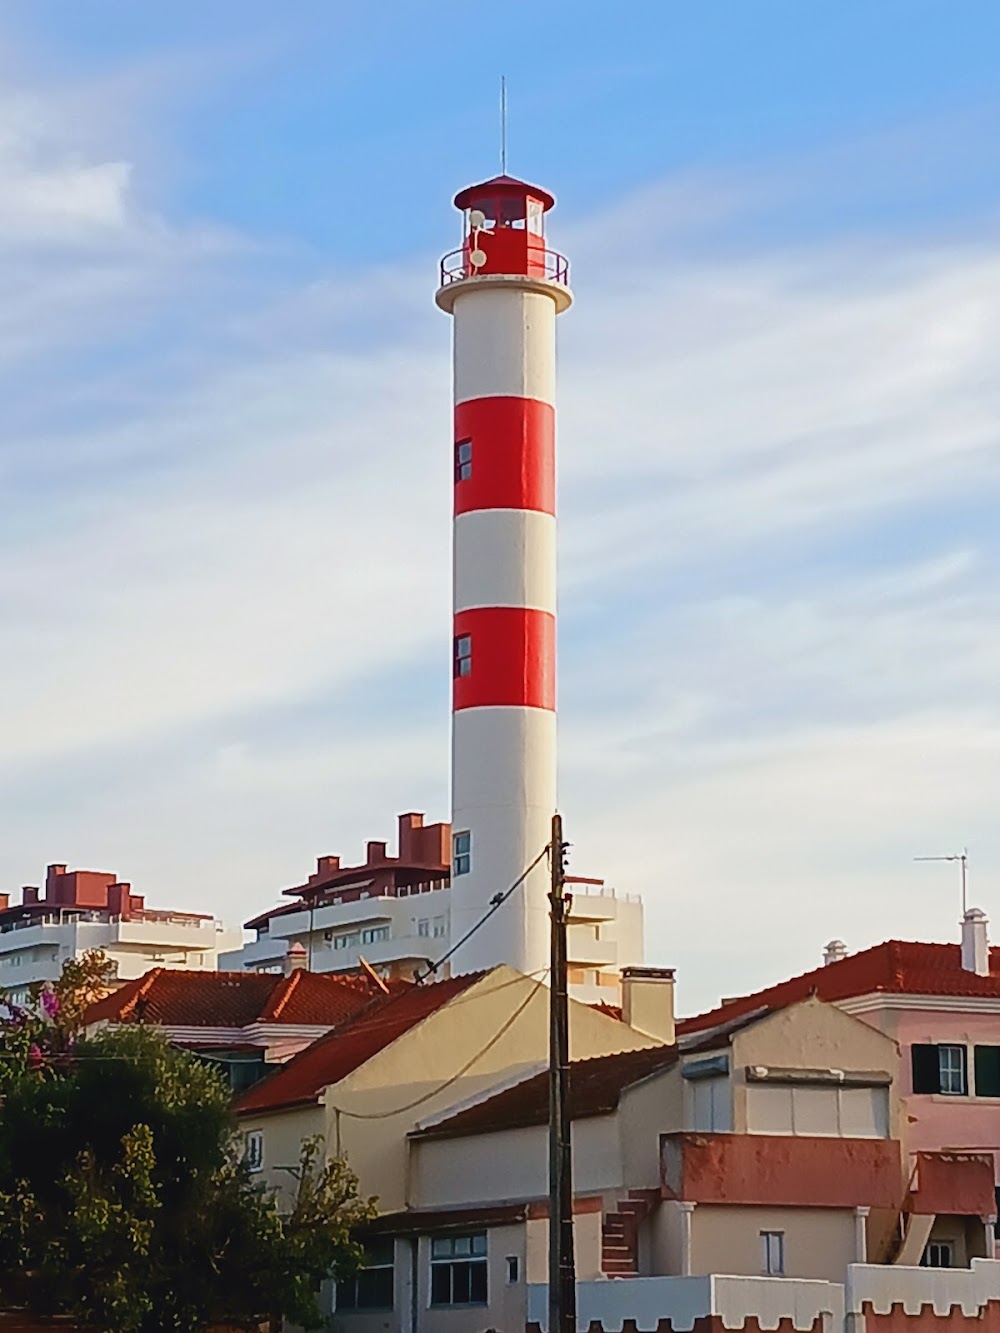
813,1035
487,1034
284,1133
819,1242
491,1033
647,1110
511,1165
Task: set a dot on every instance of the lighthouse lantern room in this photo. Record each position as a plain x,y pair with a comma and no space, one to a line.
504,288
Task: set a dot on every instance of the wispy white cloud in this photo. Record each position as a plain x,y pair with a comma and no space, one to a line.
224,563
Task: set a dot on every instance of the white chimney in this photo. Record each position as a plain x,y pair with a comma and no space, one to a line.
835,952
975,943
648,1001
296,958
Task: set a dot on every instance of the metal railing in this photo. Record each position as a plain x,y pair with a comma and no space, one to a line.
455,267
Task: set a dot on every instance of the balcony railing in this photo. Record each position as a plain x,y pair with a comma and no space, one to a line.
456,268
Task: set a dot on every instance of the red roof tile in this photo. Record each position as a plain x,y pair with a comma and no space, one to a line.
177,998
898,967
595,1086
350,1045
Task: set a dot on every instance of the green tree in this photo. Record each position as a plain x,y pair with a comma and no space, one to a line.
124,1201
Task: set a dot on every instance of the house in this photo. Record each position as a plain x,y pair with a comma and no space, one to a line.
246,1022
941,1004
413,1053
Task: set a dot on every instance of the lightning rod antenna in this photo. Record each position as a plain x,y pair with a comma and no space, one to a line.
503,125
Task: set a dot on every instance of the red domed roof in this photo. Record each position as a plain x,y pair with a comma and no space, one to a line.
502,187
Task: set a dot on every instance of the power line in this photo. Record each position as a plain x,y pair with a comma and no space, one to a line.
426,1097
495,904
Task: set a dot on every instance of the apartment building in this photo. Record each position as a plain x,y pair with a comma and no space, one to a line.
80,910
394,912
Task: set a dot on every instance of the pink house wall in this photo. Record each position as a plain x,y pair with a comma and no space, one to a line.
939,1122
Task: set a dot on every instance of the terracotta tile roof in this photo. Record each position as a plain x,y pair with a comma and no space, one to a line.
350,1045
898,967
176,998
595,1086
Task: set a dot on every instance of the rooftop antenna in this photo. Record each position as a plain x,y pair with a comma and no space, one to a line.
963,858
503,125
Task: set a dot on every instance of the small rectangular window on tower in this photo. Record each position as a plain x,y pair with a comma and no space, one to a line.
463,655
463,460
461,858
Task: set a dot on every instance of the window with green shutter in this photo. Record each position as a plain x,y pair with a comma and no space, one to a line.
926,1069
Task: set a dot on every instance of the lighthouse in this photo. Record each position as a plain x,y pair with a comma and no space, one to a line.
503,288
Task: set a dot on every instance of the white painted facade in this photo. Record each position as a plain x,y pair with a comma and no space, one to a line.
35,949
505,338
605,935
505,557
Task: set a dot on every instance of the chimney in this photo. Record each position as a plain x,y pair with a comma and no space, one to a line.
296,958
409,836
376,854
835,952
975,943
29,894
648,1001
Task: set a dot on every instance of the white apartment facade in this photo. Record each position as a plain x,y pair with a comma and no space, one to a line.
395,914
81,910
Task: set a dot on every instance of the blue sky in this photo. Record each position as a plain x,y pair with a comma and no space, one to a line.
224,562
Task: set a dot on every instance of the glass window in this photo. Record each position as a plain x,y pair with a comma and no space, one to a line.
510,212
458,1270
951,1063
423,928
461,859
772,1253
253,1150
463,460
939,1254
440,926
513,1268
463,655
371,1288
374,934
939,1068
535,214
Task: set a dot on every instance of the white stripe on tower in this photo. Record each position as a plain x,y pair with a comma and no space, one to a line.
504,296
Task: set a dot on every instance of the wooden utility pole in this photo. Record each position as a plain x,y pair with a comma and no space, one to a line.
562,1264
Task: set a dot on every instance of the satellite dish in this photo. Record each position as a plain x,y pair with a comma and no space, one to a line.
477,258
477,219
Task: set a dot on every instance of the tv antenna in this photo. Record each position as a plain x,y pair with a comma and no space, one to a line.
503,125
963,858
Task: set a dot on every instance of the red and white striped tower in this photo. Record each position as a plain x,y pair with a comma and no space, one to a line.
504,290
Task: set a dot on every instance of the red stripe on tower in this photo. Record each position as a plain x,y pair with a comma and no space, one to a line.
505,455
504,657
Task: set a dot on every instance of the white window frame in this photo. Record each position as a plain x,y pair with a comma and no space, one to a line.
943,1247
772,1253
949,1070
253,1150
461,852
446,1252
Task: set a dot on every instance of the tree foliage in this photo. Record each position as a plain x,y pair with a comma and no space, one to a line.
124,1201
